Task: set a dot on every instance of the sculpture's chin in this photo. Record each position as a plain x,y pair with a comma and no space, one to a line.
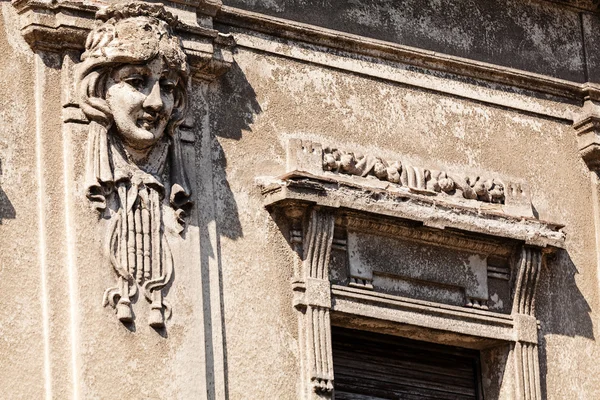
141,139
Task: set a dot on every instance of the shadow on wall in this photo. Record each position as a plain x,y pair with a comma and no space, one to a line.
233,109
7,211
561,307
232,106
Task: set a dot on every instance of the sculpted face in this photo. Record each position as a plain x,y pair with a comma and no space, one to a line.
141,99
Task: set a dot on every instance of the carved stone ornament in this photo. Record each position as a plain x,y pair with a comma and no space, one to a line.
399,249
587,127
489,190
132,82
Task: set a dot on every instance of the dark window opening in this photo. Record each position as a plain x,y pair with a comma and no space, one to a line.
372,366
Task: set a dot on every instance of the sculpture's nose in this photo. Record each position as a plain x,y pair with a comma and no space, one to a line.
154,99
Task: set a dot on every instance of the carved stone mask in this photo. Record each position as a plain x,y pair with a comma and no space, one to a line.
133,80
135,34
141,99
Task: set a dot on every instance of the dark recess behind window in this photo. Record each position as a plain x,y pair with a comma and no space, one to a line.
371,366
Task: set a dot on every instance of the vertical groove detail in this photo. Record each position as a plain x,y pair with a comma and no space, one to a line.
526,284
317,252
526,354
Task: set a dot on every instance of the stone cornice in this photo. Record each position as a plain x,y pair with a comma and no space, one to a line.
63,25
296,189
363,46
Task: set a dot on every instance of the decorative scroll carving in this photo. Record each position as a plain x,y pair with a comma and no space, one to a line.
314,300
132,80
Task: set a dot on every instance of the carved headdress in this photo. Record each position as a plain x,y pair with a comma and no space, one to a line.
134,34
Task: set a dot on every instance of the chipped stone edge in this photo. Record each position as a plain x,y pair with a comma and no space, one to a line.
435,213
355,44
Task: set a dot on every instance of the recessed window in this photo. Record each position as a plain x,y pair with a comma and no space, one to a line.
372,366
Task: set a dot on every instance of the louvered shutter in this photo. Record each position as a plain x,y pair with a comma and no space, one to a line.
370,366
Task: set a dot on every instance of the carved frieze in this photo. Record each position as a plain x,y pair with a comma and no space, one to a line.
419,179
133,79
509,196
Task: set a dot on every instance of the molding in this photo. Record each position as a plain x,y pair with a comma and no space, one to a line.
298,188
373,67
401,310
363,46
427,235
64,25
587,128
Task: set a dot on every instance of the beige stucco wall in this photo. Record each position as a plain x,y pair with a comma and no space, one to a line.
242,122
21,326
268,98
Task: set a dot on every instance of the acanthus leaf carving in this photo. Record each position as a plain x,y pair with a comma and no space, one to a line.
133,88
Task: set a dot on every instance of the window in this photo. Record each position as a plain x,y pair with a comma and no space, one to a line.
369,366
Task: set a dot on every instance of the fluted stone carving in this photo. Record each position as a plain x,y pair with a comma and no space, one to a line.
313,299
526,346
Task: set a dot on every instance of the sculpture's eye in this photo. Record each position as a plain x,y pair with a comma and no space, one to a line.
167,86
136,81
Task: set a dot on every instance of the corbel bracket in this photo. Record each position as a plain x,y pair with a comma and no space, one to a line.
587,126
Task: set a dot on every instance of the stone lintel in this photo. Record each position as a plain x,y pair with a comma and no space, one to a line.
401,315
383,209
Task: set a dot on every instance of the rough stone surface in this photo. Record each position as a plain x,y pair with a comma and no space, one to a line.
242,292
547,38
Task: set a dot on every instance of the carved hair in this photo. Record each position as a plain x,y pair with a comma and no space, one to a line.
133,33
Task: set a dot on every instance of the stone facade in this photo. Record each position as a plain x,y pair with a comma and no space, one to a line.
192,194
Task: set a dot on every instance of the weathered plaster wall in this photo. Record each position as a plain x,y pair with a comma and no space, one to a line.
266,99
21,322
263,100
536,36
135,360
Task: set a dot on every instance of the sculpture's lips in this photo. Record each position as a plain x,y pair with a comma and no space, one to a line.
147,121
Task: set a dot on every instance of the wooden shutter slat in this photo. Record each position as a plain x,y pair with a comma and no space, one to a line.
370,366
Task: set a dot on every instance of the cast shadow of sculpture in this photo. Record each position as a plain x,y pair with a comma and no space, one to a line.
232,105
561,307
7,211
